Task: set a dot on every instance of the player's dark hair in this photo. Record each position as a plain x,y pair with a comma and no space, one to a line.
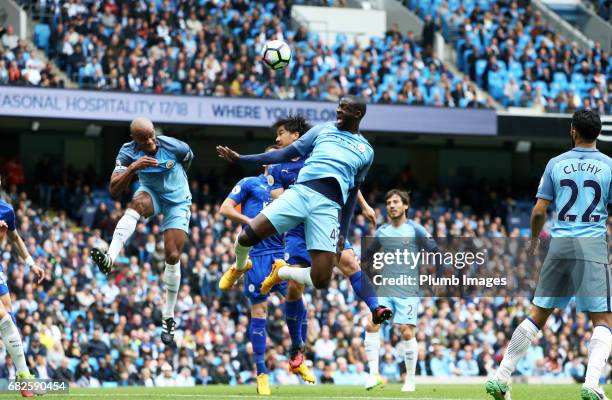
293,123
405,196
587,123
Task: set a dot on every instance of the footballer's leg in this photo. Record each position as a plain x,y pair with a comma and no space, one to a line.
259,317
551,293
174,239
499,387
372,349
411,351
5,296
143,204
258,337
349,266
14,346
259,229
295,314
599,351
593,296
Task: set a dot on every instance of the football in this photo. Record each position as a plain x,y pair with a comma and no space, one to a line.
276,54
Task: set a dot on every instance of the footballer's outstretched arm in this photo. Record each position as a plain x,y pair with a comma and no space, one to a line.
300,147
272,157
228,210
22,250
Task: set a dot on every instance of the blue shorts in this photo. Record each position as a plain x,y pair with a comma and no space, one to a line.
176,215
3,287
295,248
405,309
262,265
588,281
318,213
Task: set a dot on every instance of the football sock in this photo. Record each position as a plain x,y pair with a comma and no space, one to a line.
300,275
257,334
294,312
518,346
124,229
372,349
12,342
364,289
599,350
242,253
304,326
411,351
172,280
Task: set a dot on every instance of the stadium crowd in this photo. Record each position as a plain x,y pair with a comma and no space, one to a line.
507,48
213,49
18,66
80,326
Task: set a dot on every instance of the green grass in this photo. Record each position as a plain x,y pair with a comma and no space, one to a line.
389,392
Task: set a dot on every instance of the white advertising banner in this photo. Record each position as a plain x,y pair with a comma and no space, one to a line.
115,106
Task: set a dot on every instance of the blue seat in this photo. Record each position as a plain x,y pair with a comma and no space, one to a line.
480,68
496,84
560,77
73,363
42,33
75,313
174,88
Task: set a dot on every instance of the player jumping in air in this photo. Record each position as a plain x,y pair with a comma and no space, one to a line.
578,183
326,187
8,328
253,194
288,130
405,234
160,164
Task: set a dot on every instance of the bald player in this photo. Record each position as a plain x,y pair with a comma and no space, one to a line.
160,163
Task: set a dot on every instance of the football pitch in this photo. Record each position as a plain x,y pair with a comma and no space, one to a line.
389,392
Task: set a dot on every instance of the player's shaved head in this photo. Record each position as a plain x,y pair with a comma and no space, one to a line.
142,132
349,113
141,124
356,103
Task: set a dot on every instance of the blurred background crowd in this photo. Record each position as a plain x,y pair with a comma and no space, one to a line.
207,48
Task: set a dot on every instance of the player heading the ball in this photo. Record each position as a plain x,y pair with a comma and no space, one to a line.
327,185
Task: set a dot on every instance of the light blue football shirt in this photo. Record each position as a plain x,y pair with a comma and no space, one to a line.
168,179
338,154
409,236
578,183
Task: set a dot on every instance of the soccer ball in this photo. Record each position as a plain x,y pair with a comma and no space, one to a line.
276,54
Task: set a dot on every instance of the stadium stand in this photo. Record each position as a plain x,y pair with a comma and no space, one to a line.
18,66
508,50
81,326
602,8
214,51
